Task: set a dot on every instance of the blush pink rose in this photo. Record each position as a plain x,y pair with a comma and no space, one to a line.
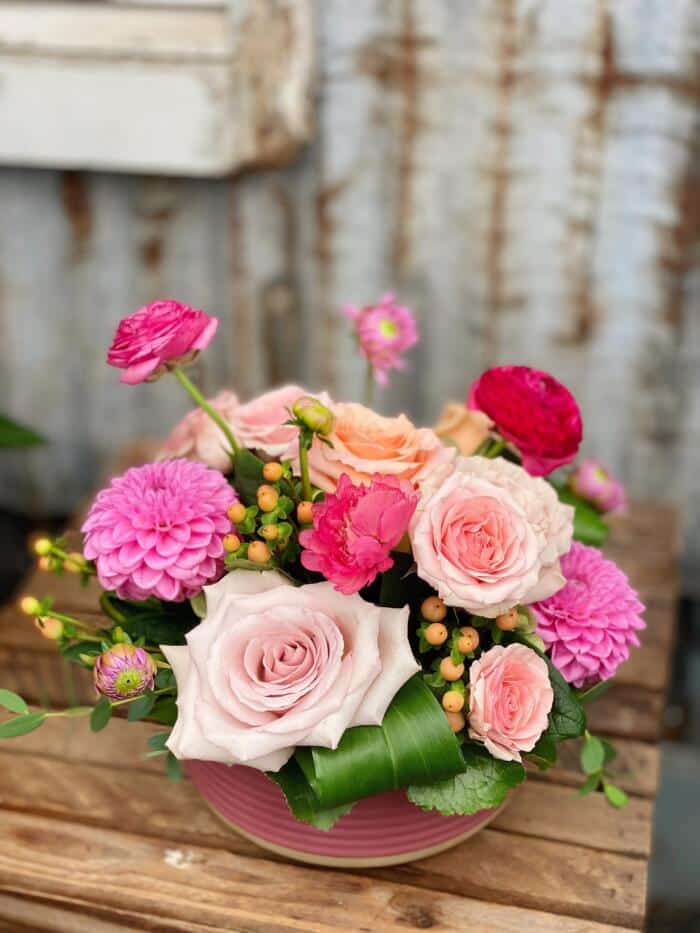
366,443
356,529
489,537
157,334
198,437
273,666
510,698
260,423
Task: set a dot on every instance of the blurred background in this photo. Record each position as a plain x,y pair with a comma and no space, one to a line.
523,173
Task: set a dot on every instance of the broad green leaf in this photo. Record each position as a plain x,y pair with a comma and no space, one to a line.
248,472
165,711
589,526
544,754
482,785
13,702
567,719
165,678
616,796
301,800
592,755
16,435
100,715
589,785
140,708
21,725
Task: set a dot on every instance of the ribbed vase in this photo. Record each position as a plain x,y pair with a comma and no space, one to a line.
382,830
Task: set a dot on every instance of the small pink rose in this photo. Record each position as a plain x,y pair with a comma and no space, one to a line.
159,333
510,698
198,437
273,666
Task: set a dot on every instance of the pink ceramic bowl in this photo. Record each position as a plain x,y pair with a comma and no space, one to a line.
382,830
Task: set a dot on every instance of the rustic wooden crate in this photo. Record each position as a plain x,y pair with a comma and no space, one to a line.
95,837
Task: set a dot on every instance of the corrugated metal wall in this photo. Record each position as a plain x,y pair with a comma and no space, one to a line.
525,174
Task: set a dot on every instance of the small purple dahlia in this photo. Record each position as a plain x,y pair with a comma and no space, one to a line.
124,671
158,530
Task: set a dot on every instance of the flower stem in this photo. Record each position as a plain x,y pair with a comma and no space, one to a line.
495,449
304,468
192,389
369,386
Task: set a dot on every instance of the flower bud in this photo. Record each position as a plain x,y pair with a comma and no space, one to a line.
433,609
267,497
124,671
272,471
305,513
453,701
75,562
50,628
451,671
436,634
236,512
508,621
30,605
231,543
314,415
259,552
270,532
44,563
456,720
42,547
468,640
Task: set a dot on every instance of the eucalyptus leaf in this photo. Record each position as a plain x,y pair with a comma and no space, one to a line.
101,714
13,702
21,725
140,708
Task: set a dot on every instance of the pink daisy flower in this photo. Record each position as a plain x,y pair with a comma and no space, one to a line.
590,624
384,331
158,530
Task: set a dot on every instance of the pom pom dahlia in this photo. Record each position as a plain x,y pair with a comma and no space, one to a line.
158,530
384,331
124,671
355,530
589,624
533,411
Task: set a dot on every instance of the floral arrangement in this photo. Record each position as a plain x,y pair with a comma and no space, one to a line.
343,600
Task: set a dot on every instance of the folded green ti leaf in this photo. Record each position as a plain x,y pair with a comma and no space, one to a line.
589,526
414,745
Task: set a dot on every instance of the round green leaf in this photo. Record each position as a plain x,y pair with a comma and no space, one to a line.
100,715
13,702
592,755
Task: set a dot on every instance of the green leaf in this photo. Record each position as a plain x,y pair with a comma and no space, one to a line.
482,785
616,796
544,754
610,751
165,678
592,755
13,702
173,768
567,719
74,651
165,711
589,785
589,527
21,725
100,715
17,435
301,799
248,472
414,745
592,693
157,740
140,708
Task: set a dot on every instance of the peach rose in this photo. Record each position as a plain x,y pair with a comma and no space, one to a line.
490,536
510,697
260,423
273,666
464,428
366,443
197,437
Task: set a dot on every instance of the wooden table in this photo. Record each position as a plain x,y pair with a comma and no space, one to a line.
95,838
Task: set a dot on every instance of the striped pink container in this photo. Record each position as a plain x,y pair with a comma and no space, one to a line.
382,830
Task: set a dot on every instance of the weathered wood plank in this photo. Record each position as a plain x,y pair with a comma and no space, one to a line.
197,887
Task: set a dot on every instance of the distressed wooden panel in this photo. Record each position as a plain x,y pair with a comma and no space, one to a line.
527,180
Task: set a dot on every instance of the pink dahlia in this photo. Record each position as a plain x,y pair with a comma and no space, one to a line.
355,530
590,623
533,411
158,530
159,333
384,332
124,671
593,482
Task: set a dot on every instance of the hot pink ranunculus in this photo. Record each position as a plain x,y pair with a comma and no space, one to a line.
273,666
533,411
356,529
260,423
198,437
365,443
593,482
510,697
163,332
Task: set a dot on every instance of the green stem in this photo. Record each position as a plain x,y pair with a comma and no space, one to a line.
304,469
110,610
495,449
192,389
369,386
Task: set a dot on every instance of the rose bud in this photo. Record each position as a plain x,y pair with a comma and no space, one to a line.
314,414
50,628
124,671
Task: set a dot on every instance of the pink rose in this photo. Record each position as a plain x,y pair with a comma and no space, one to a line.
273,666
593,482
356,529
260,423
365,443
490,536
533,411
462,427
159,333
197,437
510,697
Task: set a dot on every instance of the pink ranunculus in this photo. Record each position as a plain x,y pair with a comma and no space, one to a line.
590,624
198,437
533,411
157,334
510,698
356,529
260,423
366,443
273,666
385,332
489,537
593,482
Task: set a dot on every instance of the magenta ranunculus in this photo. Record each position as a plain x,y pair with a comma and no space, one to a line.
356,529
273,666
510,697
593,482
124,671
589,625
160,333
198,437
158,530
534,412
385,331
